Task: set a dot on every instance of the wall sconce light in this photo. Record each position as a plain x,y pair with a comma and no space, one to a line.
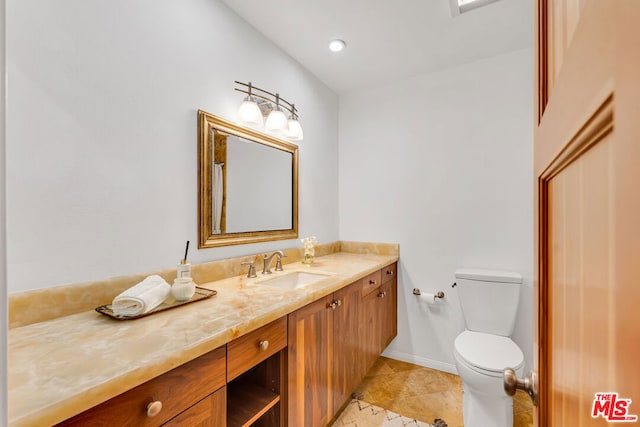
249,113
260,103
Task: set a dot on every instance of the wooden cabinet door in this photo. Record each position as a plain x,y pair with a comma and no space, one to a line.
389,306
586,157
310,348
348,364
209,412
370,328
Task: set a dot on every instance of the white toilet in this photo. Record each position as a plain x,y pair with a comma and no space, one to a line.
489,301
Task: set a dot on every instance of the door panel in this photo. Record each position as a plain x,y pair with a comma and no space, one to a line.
580,283
564,16
587,206
348,365
310,345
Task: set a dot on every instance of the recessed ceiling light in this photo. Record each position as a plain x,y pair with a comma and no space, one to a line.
336,45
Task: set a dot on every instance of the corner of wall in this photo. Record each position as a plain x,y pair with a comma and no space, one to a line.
3,222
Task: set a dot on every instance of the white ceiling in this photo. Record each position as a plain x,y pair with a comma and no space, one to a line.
386,39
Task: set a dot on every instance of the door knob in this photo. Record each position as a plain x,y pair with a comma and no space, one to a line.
529,384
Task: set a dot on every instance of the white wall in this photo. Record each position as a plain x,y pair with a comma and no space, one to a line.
101,143
442,164
3,239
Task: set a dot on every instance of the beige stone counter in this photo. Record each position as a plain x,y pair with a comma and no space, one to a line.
63,366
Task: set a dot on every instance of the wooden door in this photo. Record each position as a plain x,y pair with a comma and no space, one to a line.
370,328
348,365
587,180
389,313
310,346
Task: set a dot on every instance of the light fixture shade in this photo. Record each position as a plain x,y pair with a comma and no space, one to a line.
249,113
276,123
295,130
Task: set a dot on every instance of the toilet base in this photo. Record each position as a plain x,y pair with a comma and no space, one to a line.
481,410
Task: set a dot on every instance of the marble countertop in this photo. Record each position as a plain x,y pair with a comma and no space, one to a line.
61,367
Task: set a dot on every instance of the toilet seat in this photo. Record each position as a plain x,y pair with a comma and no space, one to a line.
488,354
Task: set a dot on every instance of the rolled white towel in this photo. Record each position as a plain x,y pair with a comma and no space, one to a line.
141,298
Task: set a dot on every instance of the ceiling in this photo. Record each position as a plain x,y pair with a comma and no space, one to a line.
386,39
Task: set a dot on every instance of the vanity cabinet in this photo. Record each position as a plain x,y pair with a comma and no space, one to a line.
255,375
193,391
333,342
379,313
298,370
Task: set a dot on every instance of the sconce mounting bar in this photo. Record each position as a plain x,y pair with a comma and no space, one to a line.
273,98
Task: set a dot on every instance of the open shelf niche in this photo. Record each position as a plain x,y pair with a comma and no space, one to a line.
254,398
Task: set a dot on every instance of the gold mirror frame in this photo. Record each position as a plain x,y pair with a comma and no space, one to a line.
206,238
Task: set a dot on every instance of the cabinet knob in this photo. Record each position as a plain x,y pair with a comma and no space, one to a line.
382,294
339,302
372,282
332,305
389,272
154,408
263,345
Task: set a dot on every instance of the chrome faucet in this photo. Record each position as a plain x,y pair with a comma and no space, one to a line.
266,269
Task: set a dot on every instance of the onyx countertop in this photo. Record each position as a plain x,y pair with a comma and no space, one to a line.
63,366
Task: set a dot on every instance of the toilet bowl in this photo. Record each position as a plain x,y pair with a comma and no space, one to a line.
489,301
480,359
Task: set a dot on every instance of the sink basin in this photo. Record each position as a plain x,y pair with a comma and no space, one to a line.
294,280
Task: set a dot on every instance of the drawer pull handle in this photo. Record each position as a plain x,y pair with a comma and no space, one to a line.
389,272
263,345
373,282
154,408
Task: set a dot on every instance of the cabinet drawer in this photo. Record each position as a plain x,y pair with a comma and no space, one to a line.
371,282
177,390
251,349
210,411
389,272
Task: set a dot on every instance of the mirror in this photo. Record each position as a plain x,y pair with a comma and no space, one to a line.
247,185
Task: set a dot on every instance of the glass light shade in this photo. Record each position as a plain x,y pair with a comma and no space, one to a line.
249,113
276,123
295,130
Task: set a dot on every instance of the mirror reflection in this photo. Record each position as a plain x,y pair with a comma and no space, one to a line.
247,186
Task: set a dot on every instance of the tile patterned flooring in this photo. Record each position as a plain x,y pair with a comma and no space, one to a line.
425,394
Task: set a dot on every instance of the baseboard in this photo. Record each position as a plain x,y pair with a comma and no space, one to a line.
422,361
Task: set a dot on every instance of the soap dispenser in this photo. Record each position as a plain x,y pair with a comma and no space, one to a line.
184,268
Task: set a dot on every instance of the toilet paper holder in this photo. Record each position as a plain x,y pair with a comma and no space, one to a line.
438,294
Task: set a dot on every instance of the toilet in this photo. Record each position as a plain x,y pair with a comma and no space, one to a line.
489,302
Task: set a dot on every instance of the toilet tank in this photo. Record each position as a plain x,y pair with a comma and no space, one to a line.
489,299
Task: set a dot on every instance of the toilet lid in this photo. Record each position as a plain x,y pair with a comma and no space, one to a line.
489,352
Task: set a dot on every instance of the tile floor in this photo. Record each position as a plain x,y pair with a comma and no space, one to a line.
425,394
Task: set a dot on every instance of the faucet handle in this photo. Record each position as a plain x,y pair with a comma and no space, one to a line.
279,260
252,269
